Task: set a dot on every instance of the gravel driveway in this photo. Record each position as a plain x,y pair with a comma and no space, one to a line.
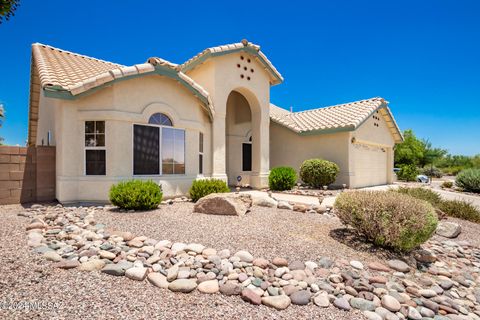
25,276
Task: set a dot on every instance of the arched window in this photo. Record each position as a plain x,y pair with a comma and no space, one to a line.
160,119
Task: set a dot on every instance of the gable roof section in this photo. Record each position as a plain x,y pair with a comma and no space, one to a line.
67,75
342,117
253,49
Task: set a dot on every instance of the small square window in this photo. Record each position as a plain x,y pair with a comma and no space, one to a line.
95,162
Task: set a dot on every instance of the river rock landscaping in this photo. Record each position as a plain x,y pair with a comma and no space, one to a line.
439,281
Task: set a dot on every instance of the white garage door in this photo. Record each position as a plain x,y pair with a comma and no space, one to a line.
370,166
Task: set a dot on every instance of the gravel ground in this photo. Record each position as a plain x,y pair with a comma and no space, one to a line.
72,294
264,232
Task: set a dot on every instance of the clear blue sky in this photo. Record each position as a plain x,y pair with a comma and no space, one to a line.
422,56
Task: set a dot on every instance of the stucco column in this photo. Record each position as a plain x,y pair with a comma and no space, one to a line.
219,148
260,148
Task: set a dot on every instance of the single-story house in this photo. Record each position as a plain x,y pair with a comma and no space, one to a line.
208,117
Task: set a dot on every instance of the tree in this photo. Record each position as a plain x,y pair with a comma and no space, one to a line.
410,151
7,9
431,155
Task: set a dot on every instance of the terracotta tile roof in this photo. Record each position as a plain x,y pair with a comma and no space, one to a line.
233,47
348,116
57,70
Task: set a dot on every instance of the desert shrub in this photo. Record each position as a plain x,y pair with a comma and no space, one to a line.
388,219
201,188
432,172
447,184
460,209
318,172
407,172
136,195
282,178
426,194
469,180
452,171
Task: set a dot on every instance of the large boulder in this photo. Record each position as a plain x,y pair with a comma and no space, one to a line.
263,200
449,229
224,204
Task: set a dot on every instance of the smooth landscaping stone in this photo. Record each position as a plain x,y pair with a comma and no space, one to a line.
182,285
52,256
342,304
66,264
296,265
158,280
398,265
278,302
280,262
362,304
244,256
301,297
448,229
231,289
372,315
321,300
284,205
390,303
264,201
250,296
107,254
92,265
356,264
136,273
210,286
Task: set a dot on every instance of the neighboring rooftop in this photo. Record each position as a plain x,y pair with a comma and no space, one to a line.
347,116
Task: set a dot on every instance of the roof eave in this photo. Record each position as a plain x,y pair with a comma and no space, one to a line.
276,77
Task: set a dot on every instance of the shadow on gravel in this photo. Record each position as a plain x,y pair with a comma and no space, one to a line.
350,238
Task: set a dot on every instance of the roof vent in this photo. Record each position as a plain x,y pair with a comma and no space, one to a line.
245,42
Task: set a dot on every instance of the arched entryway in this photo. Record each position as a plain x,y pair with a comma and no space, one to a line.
239,143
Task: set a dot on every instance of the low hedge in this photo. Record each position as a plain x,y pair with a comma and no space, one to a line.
282,178
469,180
203,187
136,195
318,172
388,219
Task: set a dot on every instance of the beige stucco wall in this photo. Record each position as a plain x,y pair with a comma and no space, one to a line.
220,76
46,120
371,156
120,106
288,148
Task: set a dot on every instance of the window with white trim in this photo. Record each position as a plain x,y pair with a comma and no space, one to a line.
158,148
200,153
95,153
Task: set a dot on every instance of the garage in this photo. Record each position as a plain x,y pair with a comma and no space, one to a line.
370,165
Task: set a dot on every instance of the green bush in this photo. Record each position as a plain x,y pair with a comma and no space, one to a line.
136,195
318,172
201,188
469,180
388,219
447,184
432,172
407,172
426,194
460,209
282,178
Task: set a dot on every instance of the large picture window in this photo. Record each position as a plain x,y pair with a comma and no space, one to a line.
146,149
158,148
95,153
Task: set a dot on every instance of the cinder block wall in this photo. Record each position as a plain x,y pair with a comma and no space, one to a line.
27,174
